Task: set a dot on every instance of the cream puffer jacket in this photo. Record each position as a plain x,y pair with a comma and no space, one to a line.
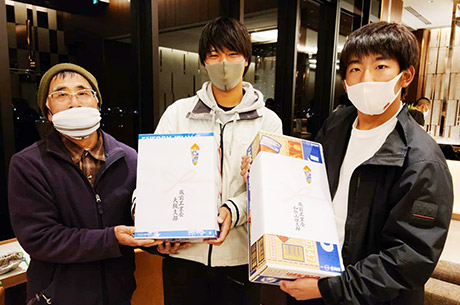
234,130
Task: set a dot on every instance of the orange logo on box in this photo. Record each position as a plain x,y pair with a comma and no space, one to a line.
195,150
295,149
307,172
266,148
283,238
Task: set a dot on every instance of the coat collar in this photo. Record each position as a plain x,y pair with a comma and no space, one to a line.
112,148
204,112
338,131
394,150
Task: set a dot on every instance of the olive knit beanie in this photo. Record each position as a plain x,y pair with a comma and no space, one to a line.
48,76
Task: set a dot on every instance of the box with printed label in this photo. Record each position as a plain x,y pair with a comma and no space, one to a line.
178,187
292,231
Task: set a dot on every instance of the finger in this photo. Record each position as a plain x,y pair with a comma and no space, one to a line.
223,214
145,243
244,164
225,228
162,251
185,245
216,242
128,230
161,248
138,242
283,286
174,248
168,247
288,285
213,242
158,242
245,159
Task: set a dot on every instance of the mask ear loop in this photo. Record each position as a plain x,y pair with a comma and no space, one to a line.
47,107
98,104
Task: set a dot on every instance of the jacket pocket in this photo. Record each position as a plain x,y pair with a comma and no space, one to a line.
40,298
45,296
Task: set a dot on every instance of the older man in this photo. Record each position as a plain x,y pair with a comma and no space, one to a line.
70,197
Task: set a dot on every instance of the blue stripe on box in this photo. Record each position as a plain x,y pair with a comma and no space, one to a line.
328,255
312,151
175,135
273,280
177,234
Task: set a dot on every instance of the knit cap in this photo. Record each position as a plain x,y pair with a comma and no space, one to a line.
48,76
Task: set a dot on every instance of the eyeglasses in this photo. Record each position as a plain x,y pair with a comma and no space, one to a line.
84,95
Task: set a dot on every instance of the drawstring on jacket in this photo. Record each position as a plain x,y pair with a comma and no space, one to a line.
234,118
214,124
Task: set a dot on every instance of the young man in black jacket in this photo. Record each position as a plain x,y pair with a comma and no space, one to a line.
391,188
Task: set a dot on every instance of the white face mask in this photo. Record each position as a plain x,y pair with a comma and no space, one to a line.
77,123
225,75
426,114
373,98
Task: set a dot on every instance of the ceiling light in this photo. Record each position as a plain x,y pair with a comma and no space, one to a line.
265,36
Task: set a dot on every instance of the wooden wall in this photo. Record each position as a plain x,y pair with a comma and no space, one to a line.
176,13
149,279
391,10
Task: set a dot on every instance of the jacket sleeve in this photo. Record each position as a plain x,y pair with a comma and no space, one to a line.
36,221
414,235
167,123
238,205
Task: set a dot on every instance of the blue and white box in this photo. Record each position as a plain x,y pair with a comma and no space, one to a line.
292,231
178,187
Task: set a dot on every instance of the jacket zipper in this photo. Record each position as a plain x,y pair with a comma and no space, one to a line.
100,211
39,296
99,204
353,191
222,127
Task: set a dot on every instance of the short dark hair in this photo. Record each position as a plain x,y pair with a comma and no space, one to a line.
390,40
226,33
64,74
423,101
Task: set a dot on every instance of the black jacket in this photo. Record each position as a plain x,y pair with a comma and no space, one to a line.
418,116
399,211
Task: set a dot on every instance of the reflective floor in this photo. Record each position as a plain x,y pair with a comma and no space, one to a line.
452,248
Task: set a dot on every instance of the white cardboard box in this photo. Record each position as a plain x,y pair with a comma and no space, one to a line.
291,224
178,187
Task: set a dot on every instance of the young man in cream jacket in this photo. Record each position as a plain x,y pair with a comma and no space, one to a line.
216,271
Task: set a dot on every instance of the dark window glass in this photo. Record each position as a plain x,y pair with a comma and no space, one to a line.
30,15
42,19
307,51
53,41
10,14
